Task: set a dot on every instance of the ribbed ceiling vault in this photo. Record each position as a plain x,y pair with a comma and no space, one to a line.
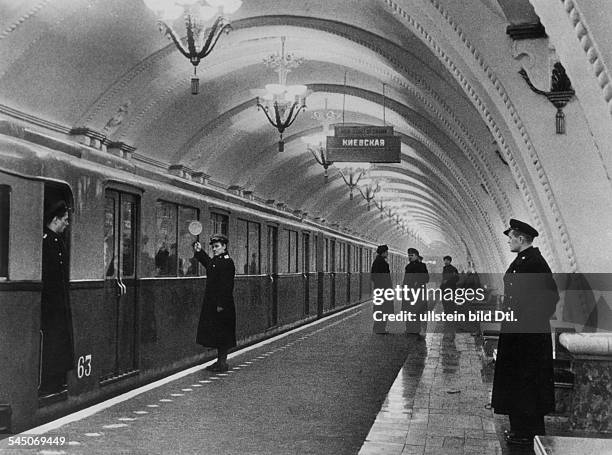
95,59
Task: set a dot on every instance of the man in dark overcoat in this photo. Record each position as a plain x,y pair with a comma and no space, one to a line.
217,326
450,277
56,316
416,276
381,279
523,386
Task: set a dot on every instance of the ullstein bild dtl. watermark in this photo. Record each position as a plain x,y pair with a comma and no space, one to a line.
419,296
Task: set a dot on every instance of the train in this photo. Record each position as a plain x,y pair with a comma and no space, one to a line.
135,290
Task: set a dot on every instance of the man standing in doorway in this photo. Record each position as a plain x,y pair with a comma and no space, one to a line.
56,316
523,386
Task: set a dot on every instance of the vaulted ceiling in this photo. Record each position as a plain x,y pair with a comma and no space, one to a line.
104,65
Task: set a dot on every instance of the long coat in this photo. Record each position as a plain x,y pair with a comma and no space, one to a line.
450,277
217,329
524,380
416,275
56,315
380,275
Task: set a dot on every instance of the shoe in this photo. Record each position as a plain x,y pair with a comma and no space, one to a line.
219,368
512,439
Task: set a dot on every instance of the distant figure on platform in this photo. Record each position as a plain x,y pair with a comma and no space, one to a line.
523,386
381,279
217,326
56,315
416,276
450,277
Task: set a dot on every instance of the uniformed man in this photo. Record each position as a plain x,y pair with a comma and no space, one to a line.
381,279
450,276
56,315
523,386
416,276
217,326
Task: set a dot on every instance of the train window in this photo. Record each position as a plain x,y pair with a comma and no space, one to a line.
289,244
174,253
254,250
128,221
247,248
219,223
187,264
5,192
315,250
109,238
326,256
165,256
306,253
272,250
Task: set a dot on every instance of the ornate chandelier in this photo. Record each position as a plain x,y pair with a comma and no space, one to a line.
351,174
282,103
369,191
200,40
314,144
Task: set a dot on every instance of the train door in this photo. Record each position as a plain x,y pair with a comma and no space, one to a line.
306,270
349,270
360,270
272,271
332,269
119,313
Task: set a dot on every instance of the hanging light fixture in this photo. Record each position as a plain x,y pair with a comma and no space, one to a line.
380,206
315,146
369,191
351,174
282,103
200,40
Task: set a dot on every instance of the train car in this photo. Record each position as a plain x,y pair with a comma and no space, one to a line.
135,289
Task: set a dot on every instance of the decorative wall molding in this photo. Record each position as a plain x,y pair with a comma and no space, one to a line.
533,160
16,24
600,69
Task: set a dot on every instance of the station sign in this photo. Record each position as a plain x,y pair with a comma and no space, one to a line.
371,144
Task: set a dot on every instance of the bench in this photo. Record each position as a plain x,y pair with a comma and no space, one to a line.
562,445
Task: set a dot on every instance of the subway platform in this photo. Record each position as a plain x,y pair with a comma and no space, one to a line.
331,387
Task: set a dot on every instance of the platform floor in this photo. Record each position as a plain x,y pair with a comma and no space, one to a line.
331,387
437,404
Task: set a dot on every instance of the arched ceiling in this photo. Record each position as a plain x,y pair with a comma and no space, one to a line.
103,65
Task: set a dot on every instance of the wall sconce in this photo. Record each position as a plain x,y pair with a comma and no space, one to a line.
560,93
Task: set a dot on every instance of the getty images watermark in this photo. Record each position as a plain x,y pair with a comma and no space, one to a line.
419,297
